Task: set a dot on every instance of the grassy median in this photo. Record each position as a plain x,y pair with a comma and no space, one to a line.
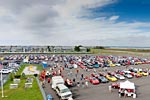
21,93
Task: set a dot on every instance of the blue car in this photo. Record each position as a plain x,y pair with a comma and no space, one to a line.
96,65
49,97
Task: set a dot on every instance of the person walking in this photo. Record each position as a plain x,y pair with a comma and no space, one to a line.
86,83
48,80
110,88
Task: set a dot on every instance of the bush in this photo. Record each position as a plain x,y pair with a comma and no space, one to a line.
35,75
11,76
17,76
23,75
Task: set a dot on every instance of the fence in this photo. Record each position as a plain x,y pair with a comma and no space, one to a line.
41,89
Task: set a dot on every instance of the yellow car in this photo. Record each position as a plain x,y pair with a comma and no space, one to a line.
112,65
142,73
111,78
138,63
1,58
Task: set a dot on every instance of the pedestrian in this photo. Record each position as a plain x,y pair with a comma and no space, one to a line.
82,76
50,69
74,80
76,75
110,88
82,84
77,71
48,80
125,93
86,83
94,70
78,84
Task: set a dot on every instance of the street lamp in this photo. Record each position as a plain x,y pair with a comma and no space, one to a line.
2,81
2,84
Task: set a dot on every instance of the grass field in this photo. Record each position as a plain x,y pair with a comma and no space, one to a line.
121,52
21,93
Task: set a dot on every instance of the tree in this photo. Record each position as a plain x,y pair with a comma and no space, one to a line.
49,49
99,47
77,48
88,49
42,50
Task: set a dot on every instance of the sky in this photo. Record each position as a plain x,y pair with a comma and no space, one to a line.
75,22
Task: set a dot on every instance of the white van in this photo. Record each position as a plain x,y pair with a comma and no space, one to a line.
57,80
63,92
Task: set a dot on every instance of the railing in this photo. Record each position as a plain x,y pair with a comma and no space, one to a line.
41,89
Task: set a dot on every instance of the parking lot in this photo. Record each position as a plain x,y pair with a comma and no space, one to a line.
5,77
94,92
100,91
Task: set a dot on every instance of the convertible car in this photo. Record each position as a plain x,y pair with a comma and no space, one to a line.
111,78
94,80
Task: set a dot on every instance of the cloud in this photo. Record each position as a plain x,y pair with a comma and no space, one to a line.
112,18
61,22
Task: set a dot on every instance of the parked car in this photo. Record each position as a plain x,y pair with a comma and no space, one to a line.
118,76
111,78
127,75
6,71
94,80
95,74
102,79
115,85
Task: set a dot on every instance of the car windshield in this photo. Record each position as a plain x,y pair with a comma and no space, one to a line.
64,90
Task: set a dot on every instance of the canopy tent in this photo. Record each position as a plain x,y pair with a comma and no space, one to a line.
127,85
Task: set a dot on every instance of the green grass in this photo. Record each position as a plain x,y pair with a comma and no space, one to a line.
119,52
21,93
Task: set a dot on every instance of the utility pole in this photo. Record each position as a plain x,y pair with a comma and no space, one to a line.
2,81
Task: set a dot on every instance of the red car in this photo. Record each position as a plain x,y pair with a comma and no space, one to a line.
94,74
136,75
94,80
102,74
115,85
82,66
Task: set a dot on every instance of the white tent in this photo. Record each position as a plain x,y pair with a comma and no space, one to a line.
127,85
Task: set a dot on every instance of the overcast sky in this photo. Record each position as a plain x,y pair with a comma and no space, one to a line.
75,22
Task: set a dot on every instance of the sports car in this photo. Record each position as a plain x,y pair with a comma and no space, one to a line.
111,78
102,79
127,75
115,85
95,74
118,76
94,80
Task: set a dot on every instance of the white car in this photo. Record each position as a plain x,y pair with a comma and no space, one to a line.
119,76
6,71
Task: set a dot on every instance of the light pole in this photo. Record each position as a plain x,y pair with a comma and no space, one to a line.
2,84
1,67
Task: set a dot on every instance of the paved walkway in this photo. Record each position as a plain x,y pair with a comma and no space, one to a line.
28,70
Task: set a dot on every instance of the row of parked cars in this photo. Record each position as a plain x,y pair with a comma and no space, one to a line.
89,60
105,77
11,67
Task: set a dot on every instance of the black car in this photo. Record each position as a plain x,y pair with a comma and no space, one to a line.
102,79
